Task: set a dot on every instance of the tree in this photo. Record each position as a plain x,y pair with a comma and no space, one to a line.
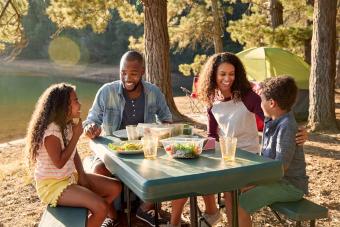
337,77
157,50
12,33
217,25
281,23
276,13
321,85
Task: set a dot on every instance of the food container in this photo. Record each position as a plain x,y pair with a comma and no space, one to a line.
177,129
183,147
161,133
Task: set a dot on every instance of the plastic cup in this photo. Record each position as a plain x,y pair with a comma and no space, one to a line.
188,130
150,145
133,132
228,147
177,129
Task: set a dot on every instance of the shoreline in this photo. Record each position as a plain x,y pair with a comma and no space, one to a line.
14,142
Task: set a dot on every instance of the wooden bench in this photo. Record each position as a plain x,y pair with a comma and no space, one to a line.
302,210
61,216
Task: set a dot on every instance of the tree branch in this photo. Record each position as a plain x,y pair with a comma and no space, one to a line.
4,9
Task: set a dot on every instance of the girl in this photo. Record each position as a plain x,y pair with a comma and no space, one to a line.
58,171
232,107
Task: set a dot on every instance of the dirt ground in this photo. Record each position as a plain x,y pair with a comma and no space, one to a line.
20,206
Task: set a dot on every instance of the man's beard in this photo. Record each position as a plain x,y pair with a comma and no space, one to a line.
134,88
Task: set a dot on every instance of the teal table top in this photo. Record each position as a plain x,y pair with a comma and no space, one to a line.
165,178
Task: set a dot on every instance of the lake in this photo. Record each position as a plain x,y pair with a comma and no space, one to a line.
18,95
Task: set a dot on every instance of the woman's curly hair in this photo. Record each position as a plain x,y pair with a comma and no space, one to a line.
52,106
207,86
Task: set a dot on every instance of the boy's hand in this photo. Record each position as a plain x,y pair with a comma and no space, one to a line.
77,129
92,131
301,136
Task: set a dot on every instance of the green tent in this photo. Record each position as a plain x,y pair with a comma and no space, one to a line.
265,62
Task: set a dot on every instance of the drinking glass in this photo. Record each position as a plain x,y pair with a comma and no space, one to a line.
228,147
132,132
150,145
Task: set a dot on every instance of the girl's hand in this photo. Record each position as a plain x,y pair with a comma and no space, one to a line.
77,129
301,136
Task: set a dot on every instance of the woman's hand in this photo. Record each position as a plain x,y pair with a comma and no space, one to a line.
301,136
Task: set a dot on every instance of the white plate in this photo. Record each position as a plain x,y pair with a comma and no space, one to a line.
126,151
121,134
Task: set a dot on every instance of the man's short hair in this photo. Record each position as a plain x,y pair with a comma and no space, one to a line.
132,55
281,89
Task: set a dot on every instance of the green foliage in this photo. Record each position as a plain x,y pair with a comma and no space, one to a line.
78,13
11,29
255,30
193,68
104,47
38,29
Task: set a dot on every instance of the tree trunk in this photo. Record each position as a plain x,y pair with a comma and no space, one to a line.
218,44
308,50
308,42
337,77
321,85
157,50
276,13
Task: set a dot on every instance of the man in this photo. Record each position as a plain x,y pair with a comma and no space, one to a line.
127,101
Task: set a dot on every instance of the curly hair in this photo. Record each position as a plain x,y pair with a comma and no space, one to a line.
207,85
282,89
52,106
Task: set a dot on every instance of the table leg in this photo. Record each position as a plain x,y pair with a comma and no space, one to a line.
234,197
128,205
157,207
193,211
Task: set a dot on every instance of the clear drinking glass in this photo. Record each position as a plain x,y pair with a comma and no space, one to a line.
133,132
228,147
150,145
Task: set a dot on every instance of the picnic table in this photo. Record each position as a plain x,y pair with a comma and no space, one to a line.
166,179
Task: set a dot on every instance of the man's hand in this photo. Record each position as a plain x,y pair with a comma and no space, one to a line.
92,131
301,136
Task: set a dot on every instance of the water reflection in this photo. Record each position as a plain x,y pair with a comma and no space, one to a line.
19,93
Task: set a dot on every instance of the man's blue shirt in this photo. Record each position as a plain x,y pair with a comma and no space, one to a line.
108,106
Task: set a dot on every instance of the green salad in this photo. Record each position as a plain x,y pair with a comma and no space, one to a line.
183,150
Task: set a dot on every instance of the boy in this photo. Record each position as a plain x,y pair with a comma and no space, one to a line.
277,98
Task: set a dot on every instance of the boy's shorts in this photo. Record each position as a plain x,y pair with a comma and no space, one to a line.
266,194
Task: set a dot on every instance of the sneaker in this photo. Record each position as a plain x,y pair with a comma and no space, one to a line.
149,217
109,222
212,219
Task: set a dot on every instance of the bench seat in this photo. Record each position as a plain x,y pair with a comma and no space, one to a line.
61,216
302,210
